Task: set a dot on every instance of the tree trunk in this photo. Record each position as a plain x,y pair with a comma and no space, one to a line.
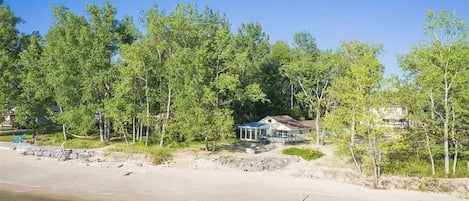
432,115
455,141
372,143
430,152
446,126
352,131
380,154
101,129
167,116
147,132
355,160
291,96
318,130
33,138
147,100
214,146
446,143
206,144
455,159
140,134
133,129
352,145
124,131
63,126
107,130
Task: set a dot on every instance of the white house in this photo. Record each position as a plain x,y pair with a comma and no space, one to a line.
280,128
393,117
9,118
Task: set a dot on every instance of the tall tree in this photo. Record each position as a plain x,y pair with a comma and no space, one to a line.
65,56
9,50
355,93
100,70
312,71
35,100
441,69
251,53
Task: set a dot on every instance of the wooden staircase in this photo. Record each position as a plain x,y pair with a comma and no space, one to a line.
64,154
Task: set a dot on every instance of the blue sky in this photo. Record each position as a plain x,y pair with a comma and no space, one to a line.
397,24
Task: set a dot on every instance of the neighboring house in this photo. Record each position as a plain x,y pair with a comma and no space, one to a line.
9,118
392,117
280,128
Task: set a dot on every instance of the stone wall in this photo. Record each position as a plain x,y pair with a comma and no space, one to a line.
55,152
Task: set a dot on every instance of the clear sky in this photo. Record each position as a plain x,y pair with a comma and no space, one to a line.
397,24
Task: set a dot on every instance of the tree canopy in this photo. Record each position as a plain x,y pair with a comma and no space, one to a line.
186,76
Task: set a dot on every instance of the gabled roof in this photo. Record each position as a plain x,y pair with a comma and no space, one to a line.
289,122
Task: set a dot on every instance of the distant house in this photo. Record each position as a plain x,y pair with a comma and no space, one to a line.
391,117
9,118
280,128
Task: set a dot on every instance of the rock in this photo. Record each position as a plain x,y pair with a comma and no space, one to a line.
84,156
74,156
250,151
46,154
256,164
38,153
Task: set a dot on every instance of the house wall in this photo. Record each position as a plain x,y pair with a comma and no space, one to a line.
9,121
273,125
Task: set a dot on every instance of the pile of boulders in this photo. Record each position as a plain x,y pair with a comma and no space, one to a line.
55,152
256,164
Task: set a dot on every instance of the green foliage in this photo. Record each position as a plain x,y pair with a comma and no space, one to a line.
188,79
56,139
438,72
11,44
156,154
305,153
414,167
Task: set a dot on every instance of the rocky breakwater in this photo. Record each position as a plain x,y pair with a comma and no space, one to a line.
256,164
61,154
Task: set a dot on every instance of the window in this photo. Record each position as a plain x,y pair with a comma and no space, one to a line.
282,133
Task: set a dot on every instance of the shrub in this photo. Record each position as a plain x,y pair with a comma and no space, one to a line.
156,154
305,153
160,155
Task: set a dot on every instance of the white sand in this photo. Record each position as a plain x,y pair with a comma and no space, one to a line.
75,180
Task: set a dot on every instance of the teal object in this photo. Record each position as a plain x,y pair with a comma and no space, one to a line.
19,139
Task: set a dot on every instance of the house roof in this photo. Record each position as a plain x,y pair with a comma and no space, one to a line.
253,125
310,123
289,122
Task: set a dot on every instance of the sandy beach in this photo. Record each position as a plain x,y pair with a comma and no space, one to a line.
72,180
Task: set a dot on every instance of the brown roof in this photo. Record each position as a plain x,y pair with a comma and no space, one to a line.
289,122
310,123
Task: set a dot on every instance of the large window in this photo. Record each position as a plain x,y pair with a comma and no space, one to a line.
282,133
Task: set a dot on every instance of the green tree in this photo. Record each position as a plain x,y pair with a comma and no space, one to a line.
34,102
312,71
355,94
277,87
64,56
440,69
251,53
9,50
